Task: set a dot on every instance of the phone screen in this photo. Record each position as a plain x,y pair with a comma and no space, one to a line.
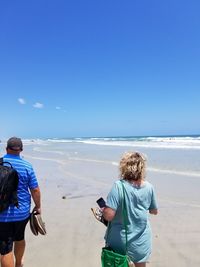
101,202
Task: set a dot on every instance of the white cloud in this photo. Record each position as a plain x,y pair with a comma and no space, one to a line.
22,101
38,105
58,108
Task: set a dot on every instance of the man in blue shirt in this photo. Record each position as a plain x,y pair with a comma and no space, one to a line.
13,220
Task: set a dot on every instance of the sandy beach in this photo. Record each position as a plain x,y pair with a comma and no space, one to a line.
72,176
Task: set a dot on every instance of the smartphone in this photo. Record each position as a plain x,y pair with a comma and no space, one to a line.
101,202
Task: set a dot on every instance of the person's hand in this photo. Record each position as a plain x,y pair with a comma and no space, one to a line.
153,211
37,209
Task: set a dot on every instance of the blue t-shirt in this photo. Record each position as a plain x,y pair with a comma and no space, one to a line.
27,181
139,200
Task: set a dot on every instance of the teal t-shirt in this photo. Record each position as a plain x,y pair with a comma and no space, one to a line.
138,202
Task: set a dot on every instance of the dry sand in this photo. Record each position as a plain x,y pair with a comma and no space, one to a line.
75,238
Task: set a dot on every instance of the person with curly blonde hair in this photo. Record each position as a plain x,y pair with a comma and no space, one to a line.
140,200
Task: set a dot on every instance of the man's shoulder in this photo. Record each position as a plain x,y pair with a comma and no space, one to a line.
18,161
26,163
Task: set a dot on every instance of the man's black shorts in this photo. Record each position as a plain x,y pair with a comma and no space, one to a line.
9,232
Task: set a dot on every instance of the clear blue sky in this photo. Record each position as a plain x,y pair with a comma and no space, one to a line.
99,68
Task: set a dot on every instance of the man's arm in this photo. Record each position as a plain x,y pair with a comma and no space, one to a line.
35,193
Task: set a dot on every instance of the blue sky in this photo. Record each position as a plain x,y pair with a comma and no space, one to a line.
99,68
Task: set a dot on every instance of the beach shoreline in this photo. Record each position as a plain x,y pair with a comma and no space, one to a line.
73,176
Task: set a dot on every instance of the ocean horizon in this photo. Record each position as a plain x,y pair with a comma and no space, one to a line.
151,141
177,154
191,141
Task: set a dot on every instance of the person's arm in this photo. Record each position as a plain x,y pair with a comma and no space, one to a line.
153,211
35,193
112,204
108,214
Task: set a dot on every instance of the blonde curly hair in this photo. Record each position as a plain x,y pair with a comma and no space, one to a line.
132,166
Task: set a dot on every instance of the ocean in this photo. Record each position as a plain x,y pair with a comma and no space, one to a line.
165,154
184,141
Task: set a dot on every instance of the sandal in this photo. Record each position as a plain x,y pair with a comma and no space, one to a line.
36,224
98,214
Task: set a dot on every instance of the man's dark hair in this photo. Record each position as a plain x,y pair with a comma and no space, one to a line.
15,144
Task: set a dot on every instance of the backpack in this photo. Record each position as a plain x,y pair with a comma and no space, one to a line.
8,185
